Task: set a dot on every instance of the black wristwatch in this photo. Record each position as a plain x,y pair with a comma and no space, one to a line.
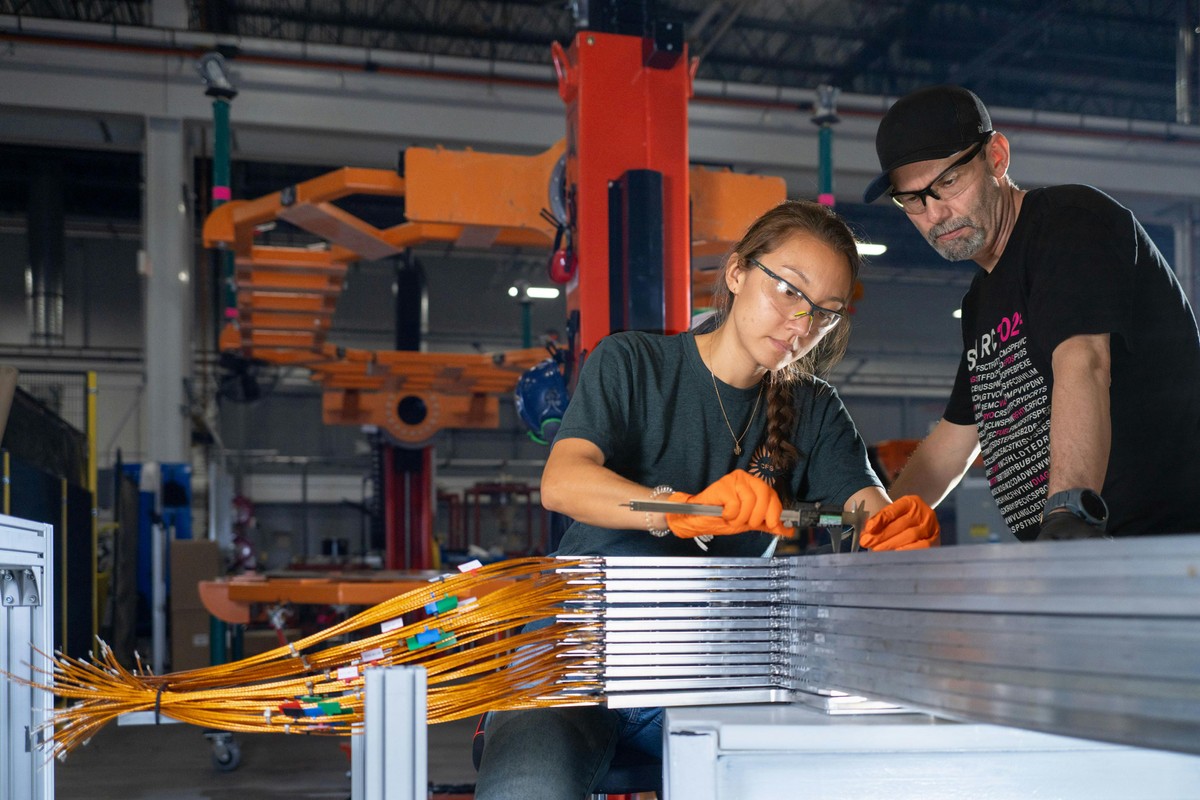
1083,503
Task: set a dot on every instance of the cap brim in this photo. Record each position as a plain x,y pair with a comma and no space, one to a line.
877,187
884,181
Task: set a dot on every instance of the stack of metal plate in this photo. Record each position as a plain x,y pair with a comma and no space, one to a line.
1097,639
687,631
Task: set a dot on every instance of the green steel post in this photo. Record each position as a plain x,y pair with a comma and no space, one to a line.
217,653
220,194
825,165
825,117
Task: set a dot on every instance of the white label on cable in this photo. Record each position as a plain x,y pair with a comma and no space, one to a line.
470,566
347,673
391,624
372,655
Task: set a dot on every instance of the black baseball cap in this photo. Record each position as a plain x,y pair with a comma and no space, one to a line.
926,125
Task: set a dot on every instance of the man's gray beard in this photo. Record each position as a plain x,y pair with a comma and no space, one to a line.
960,249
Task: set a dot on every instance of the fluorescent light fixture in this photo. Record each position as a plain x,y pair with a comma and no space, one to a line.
534,292
956,313
868,249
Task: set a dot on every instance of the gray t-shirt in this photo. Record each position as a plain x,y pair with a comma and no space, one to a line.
648,402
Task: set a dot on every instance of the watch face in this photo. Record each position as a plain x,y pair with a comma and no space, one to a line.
1093,504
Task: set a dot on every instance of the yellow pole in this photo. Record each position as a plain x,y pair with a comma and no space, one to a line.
93,486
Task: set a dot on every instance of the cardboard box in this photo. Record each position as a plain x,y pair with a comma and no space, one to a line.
189,639
192,561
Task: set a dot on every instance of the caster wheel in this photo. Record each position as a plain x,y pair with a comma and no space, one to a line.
226,756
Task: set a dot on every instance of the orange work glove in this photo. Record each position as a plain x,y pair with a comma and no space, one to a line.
907,524
748,502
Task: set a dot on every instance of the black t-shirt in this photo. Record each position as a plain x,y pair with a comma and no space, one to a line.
1079,263
649,403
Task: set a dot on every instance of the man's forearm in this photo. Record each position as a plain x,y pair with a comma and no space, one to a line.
1080,421
938,463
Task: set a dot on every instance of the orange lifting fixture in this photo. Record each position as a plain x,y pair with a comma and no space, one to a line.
286,295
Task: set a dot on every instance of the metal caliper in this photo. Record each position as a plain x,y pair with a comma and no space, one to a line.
803,514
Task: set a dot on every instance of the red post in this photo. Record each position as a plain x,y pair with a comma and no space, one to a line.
623,115
408,507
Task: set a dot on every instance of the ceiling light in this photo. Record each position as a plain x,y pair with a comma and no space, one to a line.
868,249
526,292
215,74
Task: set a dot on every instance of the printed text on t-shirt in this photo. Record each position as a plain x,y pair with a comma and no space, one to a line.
1011,401
984,345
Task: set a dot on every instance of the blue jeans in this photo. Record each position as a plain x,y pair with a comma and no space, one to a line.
560,753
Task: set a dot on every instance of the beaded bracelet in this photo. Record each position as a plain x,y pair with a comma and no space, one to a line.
659,491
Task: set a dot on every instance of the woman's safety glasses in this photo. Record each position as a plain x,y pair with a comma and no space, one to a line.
792,302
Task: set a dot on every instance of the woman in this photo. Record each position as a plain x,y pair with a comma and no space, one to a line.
735,415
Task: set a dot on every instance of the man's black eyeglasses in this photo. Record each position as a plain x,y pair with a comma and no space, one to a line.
946,186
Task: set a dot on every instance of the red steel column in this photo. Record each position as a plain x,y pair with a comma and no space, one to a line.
623,115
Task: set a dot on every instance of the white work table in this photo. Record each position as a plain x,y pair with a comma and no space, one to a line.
773,751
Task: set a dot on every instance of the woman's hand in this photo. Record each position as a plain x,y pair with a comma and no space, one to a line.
907,524
748,503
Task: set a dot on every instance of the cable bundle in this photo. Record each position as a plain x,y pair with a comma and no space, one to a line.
305,687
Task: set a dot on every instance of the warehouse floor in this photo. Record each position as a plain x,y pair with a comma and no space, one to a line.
174,762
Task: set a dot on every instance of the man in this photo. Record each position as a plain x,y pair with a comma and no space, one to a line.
1080,374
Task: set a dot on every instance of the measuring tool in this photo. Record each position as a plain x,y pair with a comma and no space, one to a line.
800,515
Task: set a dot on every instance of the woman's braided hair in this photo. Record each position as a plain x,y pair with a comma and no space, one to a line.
768,233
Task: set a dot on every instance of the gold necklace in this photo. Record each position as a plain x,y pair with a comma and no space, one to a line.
737,440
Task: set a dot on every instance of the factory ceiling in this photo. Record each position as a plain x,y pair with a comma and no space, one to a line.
1094,58
1114,58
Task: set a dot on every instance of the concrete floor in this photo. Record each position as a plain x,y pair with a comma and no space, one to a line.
174,762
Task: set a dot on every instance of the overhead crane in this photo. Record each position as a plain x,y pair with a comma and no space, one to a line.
286,295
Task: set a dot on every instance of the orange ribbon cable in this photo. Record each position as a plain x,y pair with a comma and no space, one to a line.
474,652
